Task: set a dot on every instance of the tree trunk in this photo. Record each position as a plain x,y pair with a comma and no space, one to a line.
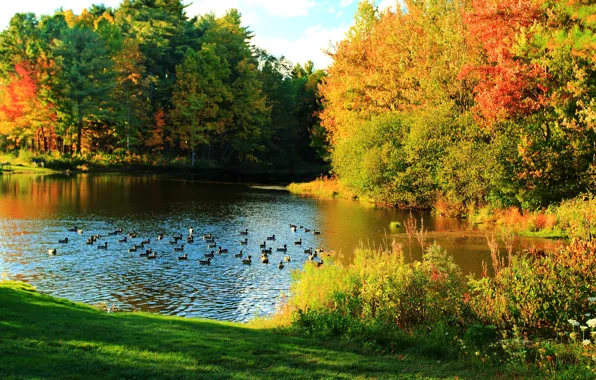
79,133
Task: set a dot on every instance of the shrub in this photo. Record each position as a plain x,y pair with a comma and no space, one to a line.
538,294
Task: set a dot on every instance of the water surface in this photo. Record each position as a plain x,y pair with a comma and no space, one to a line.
37,211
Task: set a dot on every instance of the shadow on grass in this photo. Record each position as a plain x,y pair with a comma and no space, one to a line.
43,337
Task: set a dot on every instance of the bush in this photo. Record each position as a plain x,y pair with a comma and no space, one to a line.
381,288
538,294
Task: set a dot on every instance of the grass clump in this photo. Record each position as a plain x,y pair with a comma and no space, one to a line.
323,187
571,218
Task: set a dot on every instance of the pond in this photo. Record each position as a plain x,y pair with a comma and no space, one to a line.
37,211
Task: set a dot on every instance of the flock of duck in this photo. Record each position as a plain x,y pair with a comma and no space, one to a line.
145,251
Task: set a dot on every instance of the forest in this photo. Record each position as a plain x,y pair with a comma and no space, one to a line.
463,103
145,80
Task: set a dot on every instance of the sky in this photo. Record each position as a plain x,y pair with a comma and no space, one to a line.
296,29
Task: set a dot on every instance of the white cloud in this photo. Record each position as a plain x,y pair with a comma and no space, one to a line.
309,46
339,14
345,3
274,8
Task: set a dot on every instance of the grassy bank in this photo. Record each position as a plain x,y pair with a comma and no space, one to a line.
45,337
571,218
247,172
322,187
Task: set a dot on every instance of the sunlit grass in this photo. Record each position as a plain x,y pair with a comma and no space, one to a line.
45,337
323,188
571,218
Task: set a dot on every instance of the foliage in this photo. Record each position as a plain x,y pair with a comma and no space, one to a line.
490,106
145,78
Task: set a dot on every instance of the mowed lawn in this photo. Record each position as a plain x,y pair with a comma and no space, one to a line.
43,337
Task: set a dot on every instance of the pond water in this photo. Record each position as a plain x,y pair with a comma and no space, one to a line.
37,211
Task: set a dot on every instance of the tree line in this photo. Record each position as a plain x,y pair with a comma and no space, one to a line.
462,103
145,78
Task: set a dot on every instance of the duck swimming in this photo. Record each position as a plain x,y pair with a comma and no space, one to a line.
205,262
63,241
247,261
281,265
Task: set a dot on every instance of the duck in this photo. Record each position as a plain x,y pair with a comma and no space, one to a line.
52,252
293,229
271,237
287,259
179,249
143,254
299,242
173,242
133,249
247,261
308,250
212,245
301,227
80,232
306,230
222,250
191,231
283,249
140,245
104,246
244,242
208,236
185,257
133,234
292,225
263,245
125,240
319,263
63,241
148,241
211,254
152,257
316,232
245,232
267,251
90,241
205,262
265,259
281,265
178,237
190,240
160,237
238,254
74,229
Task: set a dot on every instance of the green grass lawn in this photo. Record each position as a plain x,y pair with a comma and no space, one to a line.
43,337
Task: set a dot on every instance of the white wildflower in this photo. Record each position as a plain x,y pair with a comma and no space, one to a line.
591,322
584,328
586,342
